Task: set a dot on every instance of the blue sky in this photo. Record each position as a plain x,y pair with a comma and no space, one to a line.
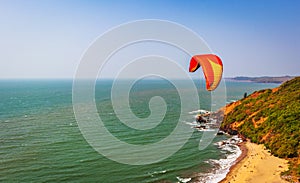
46,39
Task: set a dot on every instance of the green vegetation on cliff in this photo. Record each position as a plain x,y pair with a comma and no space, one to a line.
271,117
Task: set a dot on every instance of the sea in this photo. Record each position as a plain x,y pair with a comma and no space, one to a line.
40,138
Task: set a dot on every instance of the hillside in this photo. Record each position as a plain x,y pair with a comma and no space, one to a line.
264,79
271,117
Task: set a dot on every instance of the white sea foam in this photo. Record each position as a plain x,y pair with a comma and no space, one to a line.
200,111
222,166
184,180
207,130
194,123
157,172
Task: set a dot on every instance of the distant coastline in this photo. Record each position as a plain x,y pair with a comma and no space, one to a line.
262,79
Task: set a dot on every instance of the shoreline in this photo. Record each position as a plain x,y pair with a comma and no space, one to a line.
230,174
254,165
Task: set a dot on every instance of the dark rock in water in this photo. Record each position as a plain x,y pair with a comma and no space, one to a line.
200,119
232,132
220,133
201,127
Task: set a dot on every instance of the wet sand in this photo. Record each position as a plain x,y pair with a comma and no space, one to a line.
256,165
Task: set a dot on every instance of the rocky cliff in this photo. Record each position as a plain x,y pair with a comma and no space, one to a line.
271,117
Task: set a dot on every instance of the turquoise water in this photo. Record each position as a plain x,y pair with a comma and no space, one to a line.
41,142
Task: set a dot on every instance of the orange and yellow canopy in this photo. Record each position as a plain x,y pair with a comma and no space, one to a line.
212,67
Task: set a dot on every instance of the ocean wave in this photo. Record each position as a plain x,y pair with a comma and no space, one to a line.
184,180
152,174
194,123
199,111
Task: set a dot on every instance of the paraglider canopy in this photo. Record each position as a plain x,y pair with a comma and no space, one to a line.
212,67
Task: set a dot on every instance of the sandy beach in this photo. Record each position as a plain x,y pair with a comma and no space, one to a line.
256,165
